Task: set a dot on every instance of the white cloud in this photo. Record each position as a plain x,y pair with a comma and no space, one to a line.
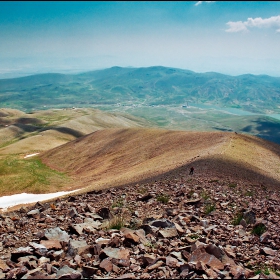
236,26
239,26
200,2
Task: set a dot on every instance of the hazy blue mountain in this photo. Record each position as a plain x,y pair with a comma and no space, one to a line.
152,85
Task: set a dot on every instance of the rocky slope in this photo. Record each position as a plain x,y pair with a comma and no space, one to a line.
178,226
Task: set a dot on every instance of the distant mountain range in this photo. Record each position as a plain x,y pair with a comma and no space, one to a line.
150,86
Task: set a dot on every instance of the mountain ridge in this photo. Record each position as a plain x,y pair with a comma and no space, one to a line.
152,85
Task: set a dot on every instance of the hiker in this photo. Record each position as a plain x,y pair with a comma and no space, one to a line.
191,170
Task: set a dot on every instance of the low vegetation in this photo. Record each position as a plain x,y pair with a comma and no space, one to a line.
29,175
209,207
142,190
118,203
237,218
204,195
259,229
249,193
117,222
232,185
163,198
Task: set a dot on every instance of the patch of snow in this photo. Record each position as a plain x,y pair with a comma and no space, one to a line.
31,155
24,198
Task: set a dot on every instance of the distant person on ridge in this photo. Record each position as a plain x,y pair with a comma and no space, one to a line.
191,170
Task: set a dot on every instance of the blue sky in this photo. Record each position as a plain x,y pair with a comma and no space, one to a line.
227,37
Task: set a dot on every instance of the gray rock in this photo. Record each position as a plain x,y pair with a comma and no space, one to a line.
73,212
168,232
77,247
127,276
249,216
57,255
86,227
35,212
268,251
57,234
41,249
163,223
115,253
264,238
21,252
67,272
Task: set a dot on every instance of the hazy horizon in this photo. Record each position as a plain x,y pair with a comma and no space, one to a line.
232,38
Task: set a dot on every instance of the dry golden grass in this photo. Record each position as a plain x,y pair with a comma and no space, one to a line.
113,157
26,134
57,127
118,151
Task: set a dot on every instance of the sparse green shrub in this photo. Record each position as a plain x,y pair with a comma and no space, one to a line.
118,203
258,271
209,207
204,195
237,219
163,198
232,185
150,245
266,271
213,181
249,193
259,229
190,193
194,236
142,190
117,222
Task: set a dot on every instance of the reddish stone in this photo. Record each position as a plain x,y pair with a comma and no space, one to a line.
156,265
51,244
115,253
201,255
132,237
3,265
107,265
171,262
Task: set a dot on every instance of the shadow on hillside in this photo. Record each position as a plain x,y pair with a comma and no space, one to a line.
267,129
33,128
222,129
224,171
26,127
70,131
30,121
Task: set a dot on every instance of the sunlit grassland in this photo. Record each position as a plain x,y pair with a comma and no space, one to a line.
18,175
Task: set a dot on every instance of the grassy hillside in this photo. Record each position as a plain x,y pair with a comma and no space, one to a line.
23,135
